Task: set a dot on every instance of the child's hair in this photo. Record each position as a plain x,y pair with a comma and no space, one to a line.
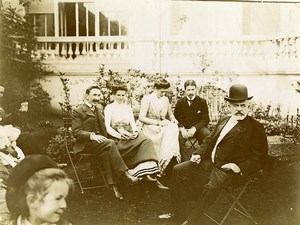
38,185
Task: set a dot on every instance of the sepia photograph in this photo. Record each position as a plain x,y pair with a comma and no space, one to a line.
152,112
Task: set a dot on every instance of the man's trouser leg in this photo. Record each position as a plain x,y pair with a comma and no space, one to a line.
209,195
184,151
188,180
201,134
110,158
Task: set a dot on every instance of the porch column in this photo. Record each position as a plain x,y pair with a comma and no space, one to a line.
56,18
97,21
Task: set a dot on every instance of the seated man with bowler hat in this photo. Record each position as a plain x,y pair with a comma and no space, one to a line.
236,149
191,113
91,138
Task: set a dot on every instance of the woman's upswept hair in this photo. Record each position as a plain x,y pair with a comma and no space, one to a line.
162,84
119,87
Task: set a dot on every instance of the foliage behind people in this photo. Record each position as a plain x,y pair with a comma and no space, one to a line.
20,65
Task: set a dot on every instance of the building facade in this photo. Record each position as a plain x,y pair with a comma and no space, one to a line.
242,42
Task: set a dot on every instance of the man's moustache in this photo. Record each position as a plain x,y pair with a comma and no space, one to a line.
239,114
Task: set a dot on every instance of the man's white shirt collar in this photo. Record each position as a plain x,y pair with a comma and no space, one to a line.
191,99
89,105
228,126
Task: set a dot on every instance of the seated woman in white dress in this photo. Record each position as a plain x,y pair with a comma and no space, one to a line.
136,149
159,124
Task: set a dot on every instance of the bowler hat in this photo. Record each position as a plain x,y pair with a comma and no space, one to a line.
237,93
20,174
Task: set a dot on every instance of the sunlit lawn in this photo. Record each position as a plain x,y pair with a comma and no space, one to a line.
273,199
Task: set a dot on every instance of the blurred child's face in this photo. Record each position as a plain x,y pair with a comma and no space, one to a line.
51,206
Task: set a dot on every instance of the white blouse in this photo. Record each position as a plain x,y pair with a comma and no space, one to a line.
116,114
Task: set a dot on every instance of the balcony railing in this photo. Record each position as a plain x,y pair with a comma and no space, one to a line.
248,55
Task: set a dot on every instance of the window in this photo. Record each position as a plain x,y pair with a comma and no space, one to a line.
79,19
44,24
112,23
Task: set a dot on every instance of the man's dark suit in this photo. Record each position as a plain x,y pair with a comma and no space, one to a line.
84,122
245,145
193,115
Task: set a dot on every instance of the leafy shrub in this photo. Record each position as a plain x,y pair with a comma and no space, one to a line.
64,138
19,64
275,124
58,143
20,67
39,101
65,106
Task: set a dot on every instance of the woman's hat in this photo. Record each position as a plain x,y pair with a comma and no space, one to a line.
238,93
20,174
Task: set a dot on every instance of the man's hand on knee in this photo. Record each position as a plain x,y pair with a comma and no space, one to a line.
184,133
98,138
191,132
195,158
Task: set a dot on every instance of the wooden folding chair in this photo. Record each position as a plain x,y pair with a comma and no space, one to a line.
232,195
75,159
191,143
190,147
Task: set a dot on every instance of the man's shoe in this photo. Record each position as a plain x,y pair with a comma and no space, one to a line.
174,217
149,178
118,195
130,179
166,216
161,186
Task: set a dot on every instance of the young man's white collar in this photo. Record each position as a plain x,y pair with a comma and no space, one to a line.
192,98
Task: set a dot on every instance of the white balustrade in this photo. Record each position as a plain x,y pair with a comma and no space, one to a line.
221,53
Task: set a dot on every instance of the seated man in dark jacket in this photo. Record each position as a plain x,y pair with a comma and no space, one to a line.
90,133
236,149
192,114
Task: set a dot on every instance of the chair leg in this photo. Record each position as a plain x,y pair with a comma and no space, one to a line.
246,213
75,172
191,148
104,178
74,168
192,142
237,202
212,219
234,203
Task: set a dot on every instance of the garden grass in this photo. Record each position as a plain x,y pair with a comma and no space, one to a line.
273,199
